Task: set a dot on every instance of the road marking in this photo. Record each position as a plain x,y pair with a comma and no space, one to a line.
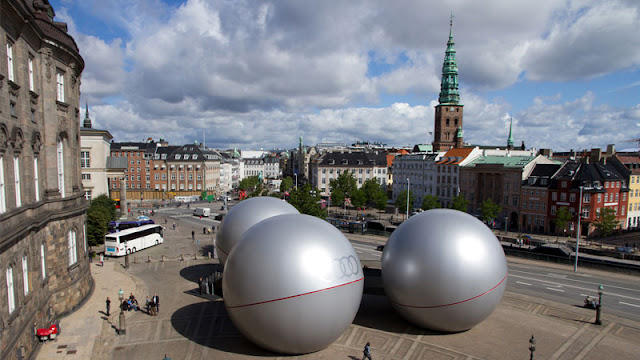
624,303
577,287
553,285
523,283
359,251
554,289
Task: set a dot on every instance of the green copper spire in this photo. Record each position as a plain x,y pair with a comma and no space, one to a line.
510,139
449,94
460,133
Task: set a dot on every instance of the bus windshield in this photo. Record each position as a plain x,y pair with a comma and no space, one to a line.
131,240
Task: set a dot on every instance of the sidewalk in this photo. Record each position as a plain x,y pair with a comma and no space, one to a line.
81,329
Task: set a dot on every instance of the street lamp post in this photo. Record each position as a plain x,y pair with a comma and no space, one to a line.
506,222
532,347
122,328
599,306
296,175
575,265
408,189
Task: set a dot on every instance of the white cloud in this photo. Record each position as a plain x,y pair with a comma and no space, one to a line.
260,74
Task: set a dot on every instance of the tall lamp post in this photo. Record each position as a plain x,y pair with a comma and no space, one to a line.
575,266
599,306
408,189
296,175
122,328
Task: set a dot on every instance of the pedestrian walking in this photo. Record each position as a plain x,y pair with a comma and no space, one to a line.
156,302
193,235
200,285
204,231
165,221
367,351
174,226
101,259
206,285
147,304
108,305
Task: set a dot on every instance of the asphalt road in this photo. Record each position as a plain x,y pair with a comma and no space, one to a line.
621,295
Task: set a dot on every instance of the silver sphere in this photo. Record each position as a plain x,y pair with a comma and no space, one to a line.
444,270
243,216
292,284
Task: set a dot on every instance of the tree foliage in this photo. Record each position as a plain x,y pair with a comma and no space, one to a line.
401,201
100,212
286,184
563,216
489,210
374,194
460,203
344,186
249,183
307,201
606,222
430,202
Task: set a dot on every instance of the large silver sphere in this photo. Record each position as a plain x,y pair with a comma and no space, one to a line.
292,284
243,216
444,270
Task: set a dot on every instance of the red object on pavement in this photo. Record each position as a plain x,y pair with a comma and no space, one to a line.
48,333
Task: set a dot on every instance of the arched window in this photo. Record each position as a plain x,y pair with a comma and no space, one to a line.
35,178
11,295
25,273
60,152
43,262
447,122
73,254
455,122
16,177
3,201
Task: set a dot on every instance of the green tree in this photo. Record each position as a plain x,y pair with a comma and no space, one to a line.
249,183
401,201
286,184
307,201
563,216
460,203
359,198
100,212
374,194
258,190
341,187
430,202
489,210
606,222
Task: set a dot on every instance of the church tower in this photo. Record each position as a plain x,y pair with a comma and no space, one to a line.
448,117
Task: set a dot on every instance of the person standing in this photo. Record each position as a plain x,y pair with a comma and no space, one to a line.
156,302
193,235
108,302
367,351
174,226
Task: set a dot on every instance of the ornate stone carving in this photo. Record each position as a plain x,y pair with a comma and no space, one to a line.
36,142
73,75
17,140
3,138
47,62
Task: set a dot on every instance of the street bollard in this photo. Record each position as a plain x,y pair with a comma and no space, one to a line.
135,259
148,258
209,255
162,258
195,256
181,257
126,261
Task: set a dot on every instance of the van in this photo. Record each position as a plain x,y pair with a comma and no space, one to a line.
202,212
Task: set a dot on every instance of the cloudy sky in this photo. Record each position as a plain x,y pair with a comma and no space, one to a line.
259,74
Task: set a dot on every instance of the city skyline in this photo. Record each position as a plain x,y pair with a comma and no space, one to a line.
239,74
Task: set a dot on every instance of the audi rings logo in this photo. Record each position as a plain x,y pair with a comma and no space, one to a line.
348,266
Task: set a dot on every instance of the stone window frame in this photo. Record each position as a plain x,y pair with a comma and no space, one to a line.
11,294
25,273
72,244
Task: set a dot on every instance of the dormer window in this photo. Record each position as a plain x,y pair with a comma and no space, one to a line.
163,156
345,161
178,156
194,156
186,156
359,162
331,161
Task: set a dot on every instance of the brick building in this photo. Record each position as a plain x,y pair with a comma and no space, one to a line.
43,252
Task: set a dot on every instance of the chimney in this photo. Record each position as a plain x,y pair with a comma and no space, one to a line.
611,149
596,155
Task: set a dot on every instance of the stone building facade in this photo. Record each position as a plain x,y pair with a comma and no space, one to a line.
43,253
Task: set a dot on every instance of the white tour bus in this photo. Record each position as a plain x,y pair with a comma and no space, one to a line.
131,240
